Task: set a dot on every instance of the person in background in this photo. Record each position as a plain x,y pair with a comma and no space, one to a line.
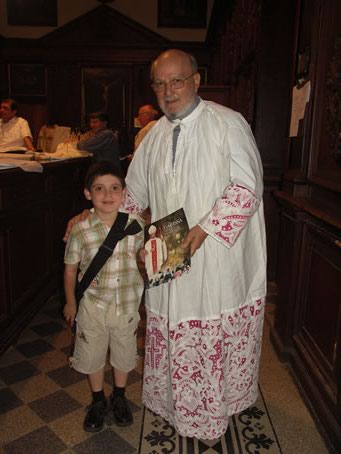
147,116
103,145
108,312
15,133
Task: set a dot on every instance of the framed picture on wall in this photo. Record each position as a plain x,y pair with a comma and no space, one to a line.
39,13
107,90
182,13
27,79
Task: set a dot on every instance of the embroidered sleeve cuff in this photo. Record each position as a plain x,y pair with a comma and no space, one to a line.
230,214
130,205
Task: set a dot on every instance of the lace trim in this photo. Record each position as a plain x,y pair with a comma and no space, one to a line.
230,214
130,205
201,372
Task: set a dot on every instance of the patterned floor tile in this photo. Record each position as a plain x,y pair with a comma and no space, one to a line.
70,428
8,400
18,372
106,441
81,391
50,361
11,356
42,418
65,376
68,350
131,434
140,351
62,339
55,312
133,393
54,406
47,329
40,318
36,441
27,336
18,422
34,348
34,388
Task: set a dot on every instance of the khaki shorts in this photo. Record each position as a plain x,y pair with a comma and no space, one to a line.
99,330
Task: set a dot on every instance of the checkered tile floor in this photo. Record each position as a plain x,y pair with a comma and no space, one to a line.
43,400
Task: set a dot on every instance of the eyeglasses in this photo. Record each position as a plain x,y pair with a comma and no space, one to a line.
175,84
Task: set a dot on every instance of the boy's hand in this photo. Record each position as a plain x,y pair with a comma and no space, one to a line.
69,312
142,255
80,217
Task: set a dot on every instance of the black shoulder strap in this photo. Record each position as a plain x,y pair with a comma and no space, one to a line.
116,233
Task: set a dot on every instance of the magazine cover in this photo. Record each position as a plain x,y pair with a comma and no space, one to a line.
166,259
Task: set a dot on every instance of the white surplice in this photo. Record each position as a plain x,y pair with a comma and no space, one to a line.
204,328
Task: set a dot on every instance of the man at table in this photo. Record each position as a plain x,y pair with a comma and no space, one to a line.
103,144
15,133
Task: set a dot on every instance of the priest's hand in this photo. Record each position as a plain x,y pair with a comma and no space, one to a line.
194,239
80,217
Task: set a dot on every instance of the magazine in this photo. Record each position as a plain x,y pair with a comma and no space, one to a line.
166,259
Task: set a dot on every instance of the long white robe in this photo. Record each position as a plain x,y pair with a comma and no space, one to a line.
204,328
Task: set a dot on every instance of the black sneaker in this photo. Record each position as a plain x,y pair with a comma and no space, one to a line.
120,410
94,420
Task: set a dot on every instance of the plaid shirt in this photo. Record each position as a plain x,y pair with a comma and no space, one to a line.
119,281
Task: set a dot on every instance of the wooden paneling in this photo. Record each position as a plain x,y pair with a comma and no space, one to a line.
325,167
307,329
102,38
233,52
320,299
34,211
290,238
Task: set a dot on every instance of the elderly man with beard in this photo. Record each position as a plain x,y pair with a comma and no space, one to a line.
204,328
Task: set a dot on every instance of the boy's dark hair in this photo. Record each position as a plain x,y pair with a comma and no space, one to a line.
103,168
100,116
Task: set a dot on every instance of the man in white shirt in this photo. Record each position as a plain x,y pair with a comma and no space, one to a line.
15,134
147,117
204,329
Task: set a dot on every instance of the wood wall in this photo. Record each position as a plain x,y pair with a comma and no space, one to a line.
307,331
102,38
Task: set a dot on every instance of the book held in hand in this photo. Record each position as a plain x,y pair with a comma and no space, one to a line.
166,259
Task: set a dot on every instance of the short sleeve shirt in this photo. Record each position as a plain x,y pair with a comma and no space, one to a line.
119,282
12,134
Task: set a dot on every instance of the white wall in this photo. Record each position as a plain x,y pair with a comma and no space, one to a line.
142,11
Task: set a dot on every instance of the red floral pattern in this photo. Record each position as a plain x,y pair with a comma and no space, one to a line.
230,214
130,205
201,372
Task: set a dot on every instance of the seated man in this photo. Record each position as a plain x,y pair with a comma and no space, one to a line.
147,117
15,134
103,145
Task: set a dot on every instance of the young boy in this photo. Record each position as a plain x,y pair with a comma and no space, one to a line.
108,312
